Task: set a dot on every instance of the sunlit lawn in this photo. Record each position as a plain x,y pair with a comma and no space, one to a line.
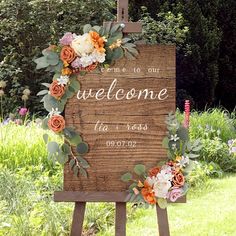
208,213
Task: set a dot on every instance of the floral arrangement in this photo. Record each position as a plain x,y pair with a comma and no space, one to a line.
74,56
166,181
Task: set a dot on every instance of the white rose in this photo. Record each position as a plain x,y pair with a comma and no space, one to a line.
86,60
161,189
82,45
99,57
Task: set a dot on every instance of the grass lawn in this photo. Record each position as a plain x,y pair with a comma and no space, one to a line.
211,212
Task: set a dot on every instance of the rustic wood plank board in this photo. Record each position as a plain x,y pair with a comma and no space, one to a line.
77,196
154,70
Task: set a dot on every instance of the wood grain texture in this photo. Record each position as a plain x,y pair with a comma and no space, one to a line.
154,70
120,223
78,219
163,224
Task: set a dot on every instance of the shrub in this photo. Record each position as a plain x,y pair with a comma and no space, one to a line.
214,150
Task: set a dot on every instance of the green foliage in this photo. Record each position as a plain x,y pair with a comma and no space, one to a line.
34,24
214,150
168,28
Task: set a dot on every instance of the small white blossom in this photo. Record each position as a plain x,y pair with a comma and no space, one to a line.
174,137
54,112
184,161
63,80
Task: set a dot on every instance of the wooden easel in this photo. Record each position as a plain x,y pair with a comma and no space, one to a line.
120,199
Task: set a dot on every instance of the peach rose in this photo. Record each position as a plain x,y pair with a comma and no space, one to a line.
148,194
154,171
56,123
56,90
67,54
178,179
91,67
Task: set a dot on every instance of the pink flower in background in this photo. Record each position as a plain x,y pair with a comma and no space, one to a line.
174,194
23,111
67,39
186,113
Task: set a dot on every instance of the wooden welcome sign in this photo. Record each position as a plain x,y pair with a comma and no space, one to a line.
121,114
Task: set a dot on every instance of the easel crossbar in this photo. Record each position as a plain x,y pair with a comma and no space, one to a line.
71,196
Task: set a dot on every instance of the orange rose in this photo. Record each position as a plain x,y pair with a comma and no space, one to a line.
148,194
154,171
66,71
56,123
67,54
56,90
91,67
98,41
178,179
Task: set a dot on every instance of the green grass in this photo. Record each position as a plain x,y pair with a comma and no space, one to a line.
208,212
22,146
216,119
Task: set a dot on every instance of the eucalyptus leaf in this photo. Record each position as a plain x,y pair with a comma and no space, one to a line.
45,138
46,85
115,28
183,133
87,28
83,162
165,142
140,169
76,170
125,40
126,177
62,158
74,85
65,148
72,163
129,56
52,58
82,148
118,53
83,172
96,28
52,103
43,92
45,123
192,155
41,63
53,147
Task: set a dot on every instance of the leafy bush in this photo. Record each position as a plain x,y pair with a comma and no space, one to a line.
214,150
212,123
33,25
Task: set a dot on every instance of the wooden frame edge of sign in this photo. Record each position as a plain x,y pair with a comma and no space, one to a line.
71,196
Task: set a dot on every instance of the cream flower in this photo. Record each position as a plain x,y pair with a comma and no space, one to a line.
98,57
87,60
82,45
161,188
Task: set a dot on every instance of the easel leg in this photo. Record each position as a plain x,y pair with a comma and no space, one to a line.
78,219
163,223
120,225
